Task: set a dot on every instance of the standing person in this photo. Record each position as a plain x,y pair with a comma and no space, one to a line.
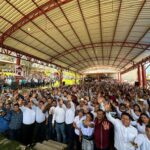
69,118
124,132
51,128
4,124
28,123
86,132
142,122
15,123
59,120
142,141
103,132
78,119
41,119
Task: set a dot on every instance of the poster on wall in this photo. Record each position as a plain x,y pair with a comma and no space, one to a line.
19,70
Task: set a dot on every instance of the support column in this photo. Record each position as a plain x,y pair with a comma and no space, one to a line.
119,76
139,75
144,76
75,78
18,61
61,77
18,70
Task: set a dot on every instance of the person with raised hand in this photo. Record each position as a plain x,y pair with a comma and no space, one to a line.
142,141
102,132
124,132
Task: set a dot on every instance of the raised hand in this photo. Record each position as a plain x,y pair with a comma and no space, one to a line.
107,107
100,100
106,125
127,104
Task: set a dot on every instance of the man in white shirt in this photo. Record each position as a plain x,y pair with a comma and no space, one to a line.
41,119
69,118
59,119
124,132
142,141
28,123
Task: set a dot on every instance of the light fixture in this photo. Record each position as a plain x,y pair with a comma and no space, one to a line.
29,29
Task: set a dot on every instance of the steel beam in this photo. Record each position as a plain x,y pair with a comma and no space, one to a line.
144,1
72,28
136,65
27,57
66,38
100,26
105,44
94,58
115,28
46,7
87,30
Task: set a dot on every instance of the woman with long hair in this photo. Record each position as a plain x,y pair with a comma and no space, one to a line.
86,132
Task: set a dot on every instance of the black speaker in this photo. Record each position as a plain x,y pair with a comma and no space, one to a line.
137,83
64,83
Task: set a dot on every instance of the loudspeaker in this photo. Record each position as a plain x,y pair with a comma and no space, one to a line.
137,83
64,83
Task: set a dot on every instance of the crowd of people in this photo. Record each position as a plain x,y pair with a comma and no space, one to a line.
12,82
104,115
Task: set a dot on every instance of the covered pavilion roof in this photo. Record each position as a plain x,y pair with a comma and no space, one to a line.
78,34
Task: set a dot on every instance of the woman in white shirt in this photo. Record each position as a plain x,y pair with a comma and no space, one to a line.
142,122
78,119
142,141
135,112
86,132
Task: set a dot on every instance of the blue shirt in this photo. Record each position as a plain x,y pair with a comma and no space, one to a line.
3,124
16,120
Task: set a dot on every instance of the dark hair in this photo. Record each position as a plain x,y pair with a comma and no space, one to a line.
127,114
16,104
122,104
91,115
81,110
137,106
41,102
100,110
140,120
148,125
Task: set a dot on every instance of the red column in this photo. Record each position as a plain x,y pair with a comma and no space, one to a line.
18,61
139,75
119,76
61,77
17,64
144,76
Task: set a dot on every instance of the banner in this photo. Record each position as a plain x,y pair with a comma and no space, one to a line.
19,70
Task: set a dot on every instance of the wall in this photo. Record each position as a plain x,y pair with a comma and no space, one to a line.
130,77
113,75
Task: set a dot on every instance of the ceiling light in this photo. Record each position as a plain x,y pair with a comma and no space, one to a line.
29,29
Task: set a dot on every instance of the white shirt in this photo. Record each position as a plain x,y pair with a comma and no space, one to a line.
123,135
59,114
39,115
52,110
134,115
70,114
86,131
77,121
94,114
140,128
143,142
28,115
